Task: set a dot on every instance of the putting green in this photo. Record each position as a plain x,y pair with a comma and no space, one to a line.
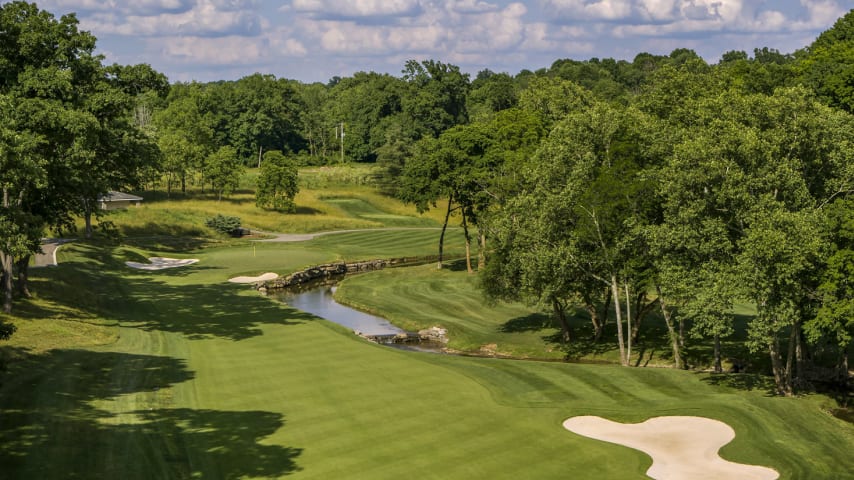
210,380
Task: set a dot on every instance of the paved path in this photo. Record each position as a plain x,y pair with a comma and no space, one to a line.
303,237
49,248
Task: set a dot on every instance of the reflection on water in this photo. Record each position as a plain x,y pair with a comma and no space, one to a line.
319,301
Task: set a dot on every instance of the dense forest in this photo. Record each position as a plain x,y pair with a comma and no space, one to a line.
663,185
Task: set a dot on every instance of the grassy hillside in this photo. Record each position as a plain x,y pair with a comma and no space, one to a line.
422,297
323,204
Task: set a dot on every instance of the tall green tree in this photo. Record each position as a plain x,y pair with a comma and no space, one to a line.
827,65
184,137
834,319
69,135
278,183
223,169
436,95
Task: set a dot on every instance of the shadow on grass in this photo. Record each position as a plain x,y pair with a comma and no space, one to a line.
153,230
530,323
245,196
303,210
741,381
52,426
101,285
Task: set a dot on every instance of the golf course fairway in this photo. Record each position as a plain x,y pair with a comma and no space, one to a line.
201,378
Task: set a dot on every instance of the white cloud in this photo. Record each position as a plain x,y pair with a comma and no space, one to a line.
136,7
587,10
821,13
226,51
357,8
212,51
658,10
338,37
205,19
471,6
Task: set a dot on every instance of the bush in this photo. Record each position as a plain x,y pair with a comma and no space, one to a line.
223,223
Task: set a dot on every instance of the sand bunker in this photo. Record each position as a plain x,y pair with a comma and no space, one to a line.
159,263
680,447
260,278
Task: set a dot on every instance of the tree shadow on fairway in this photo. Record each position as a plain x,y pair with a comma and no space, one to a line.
205,311
101,286
534,322
87,414
741,381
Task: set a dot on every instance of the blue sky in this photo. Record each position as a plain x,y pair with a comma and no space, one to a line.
313,40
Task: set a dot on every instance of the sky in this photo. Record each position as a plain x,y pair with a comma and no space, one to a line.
315,40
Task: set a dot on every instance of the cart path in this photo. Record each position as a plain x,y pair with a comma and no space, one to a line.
304,237
48,256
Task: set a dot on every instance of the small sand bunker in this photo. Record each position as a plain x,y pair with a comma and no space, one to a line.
160,263
260,278
680,447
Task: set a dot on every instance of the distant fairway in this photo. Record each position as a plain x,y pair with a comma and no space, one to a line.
199,378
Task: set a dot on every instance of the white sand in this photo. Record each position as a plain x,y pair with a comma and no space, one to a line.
159,263
260,278
680,447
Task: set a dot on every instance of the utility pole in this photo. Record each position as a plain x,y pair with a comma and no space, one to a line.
342,142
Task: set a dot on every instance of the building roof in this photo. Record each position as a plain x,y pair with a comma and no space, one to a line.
114,196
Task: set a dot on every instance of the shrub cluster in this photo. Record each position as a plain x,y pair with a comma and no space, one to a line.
223,223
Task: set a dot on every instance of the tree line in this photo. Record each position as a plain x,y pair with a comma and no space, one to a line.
663,183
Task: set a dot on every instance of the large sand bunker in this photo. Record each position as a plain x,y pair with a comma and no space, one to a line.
260,278
159,263
680,447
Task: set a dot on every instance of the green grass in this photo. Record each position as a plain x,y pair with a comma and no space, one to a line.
422,297
192,377
418,298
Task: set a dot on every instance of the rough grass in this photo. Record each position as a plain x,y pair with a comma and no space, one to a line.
351,206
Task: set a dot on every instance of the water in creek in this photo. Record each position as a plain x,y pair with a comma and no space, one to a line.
319,301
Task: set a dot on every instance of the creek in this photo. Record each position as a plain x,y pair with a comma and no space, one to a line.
319,301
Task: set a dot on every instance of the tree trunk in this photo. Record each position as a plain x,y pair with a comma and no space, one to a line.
842,365
87,217
642,309
468,244
674,337
184,183
481,254
790,357
780,376
718,366
594,317
442,236
628,324
615,291
6,281
560,313
23,265
800,360
606,308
